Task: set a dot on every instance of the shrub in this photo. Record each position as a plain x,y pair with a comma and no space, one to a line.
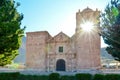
54,76
83,77
33,77
112,77
67,78
98,77
9,76
18,76
42,77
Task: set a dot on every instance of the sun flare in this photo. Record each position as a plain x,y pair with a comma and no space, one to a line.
87,26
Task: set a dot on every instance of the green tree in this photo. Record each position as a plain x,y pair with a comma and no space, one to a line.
10,31
110,25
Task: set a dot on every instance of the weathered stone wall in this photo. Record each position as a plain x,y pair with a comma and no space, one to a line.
88,51
36,50
81,51
54,55
87,43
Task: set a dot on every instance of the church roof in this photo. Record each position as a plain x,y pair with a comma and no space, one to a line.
61,33
60,37
87,10
37,32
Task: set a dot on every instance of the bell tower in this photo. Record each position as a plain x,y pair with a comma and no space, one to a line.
87,42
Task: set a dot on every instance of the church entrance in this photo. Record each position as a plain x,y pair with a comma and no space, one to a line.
60,65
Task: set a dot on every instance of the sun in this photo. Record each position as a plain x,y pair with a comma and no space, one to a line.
87,26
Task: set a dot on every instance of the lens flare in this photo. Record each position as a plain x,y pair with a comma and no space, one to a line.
87,26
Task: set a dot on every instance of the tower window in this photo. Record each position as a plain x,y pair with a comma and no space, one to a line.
61,49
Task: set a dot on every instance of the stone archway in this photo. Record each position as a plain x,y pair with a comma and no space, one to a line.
60,65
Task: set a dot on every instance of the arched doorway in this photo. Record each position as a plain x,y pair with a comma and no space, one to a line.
60,65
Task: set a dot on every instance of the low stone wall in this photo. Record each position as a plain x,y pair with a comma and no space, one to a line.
110,71
39,72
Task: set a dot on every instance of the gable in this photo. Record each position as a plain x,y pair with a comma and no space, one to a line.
60,37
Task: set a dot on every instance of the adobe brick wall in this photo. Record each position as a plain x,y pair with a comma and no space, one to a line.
81,51
87,43
36,50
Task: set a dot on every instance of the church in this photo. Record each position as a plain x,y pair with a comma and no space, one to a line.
64,53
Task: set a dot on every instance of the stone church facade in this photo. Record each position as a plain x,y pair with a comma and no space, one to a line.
64,53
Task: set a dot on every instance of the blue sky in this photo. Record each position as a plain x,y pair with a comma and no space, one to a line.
55,15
